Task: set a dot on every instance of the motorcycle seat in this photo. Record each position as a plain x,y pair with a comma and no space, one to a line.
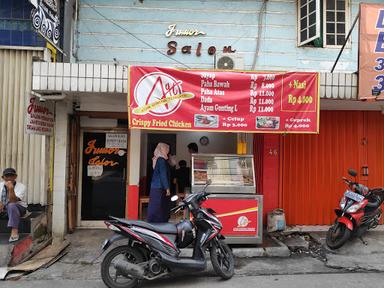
166,228
374,202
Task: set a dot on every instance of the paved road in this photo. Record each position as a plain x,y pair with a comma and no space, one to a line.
350,280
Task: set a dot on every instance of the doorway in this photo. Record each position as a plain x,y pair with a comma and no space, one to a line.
103,175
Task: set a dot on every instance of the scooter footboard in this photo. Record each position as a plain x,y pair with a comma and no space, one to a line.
183,263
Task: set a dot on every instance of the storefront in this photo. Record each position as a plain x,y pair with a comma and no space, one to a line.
90,95
220,111
282,163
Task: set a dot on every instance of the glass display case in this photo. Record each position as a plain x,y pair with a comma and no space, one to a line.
226,171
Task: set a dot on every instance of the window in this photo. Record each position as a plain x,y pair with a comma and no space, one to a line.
16,26
322,22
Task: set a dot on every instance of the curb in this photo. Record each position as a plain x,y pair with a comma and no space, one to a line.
254,252
281,250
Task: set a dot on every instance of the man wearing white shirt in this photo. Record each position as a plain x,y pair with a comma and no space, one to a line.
12,201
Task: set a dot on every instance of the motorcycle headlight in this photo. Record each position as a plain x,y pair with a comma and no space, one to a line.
343,200
355,207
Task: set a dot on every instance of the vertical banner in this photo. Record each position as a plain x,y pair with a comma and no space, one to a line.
371,51
202,100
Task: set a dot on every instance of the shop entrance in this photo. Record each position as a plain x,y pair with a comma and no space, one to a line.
208,142
103,176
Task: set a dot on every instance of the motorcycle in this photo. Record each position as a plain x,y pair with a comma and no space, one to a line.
153,250
359,211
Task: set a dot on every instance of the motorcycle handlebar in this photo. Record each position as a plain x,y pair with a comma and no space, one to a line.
204,195
174,209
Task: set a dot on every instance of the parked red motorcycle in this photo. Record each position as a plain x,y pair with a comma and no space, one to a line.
359,211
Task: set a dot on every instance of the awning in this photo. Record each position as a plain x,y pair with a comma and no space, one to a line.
101,78
78,78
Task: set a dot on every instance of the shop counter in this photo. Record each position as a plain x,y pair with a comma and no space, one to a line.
233,194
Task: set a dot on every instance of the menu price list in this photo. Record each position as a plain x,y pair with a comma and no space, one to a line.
273,99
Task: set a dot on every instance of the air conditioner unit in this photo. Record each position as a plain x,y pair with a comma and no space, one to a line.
229,61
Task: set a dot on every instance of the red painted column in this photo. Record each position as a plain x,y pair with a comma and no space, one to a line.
270,184
132,200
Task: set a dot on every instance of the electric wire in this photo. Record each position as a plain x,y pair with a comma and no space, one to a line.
94,36
259,32
134,36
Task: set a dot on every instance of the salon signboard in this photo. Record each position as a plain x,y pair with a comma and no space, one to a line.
203,100
40,118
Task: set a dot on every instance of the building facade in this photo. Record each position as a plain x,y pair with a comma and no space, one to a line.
296,172
29,154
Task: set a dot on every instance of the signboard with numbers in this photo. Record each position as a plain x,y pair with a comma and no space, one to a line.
371,51
202,100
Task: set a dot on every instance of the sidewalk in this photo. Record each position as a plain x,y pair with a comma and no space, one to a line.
304,254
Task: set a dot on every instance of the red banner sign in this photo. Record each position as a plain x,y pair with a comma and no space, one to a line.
371,51
202,100
238,216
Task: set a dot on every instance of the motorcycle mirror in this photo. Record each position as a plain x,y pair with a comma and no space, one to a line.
352,172
174,198
209,182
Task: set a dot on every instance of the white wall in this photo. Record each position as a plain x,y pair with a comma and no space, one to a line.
97,122
103,102
59,212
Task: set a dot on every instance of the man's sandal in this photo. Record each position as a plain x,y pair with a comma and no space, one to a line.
13,238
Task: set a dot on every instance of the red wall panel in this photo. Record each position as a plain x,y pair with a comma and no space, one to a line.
312,167
375,146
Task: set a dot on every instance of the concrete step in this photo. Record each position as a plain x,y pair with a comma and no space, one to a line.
28,224
24,227
33,237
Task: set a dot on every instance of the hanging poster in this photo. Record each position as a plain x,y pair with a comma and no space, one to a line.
202,100
114,140
40,118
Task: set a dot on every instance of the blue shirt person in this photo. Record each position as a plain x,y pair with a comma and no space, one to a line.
158,207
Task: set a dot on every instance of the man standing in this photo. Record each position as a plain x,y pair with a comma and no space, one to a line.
12,201
193,148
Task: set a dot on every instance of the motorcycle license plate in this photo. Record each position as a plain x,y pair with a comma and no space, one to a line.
354,196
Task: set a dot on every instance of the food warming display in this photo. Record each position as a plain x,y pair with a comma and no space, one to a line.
233,194
225,171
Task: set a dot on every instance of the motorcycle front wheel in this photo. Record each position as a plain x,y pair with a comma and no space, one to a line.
337,235
111,277
222,259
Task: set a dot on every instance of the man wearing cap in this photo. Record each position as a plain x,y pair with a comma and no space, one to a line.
12,201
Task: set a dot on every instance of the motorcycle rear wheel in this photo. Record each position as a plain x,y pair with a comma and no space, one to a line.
222,259
337,235
118,280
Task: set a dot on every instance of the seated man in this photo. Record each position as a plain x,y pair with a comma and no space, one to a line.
12,201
